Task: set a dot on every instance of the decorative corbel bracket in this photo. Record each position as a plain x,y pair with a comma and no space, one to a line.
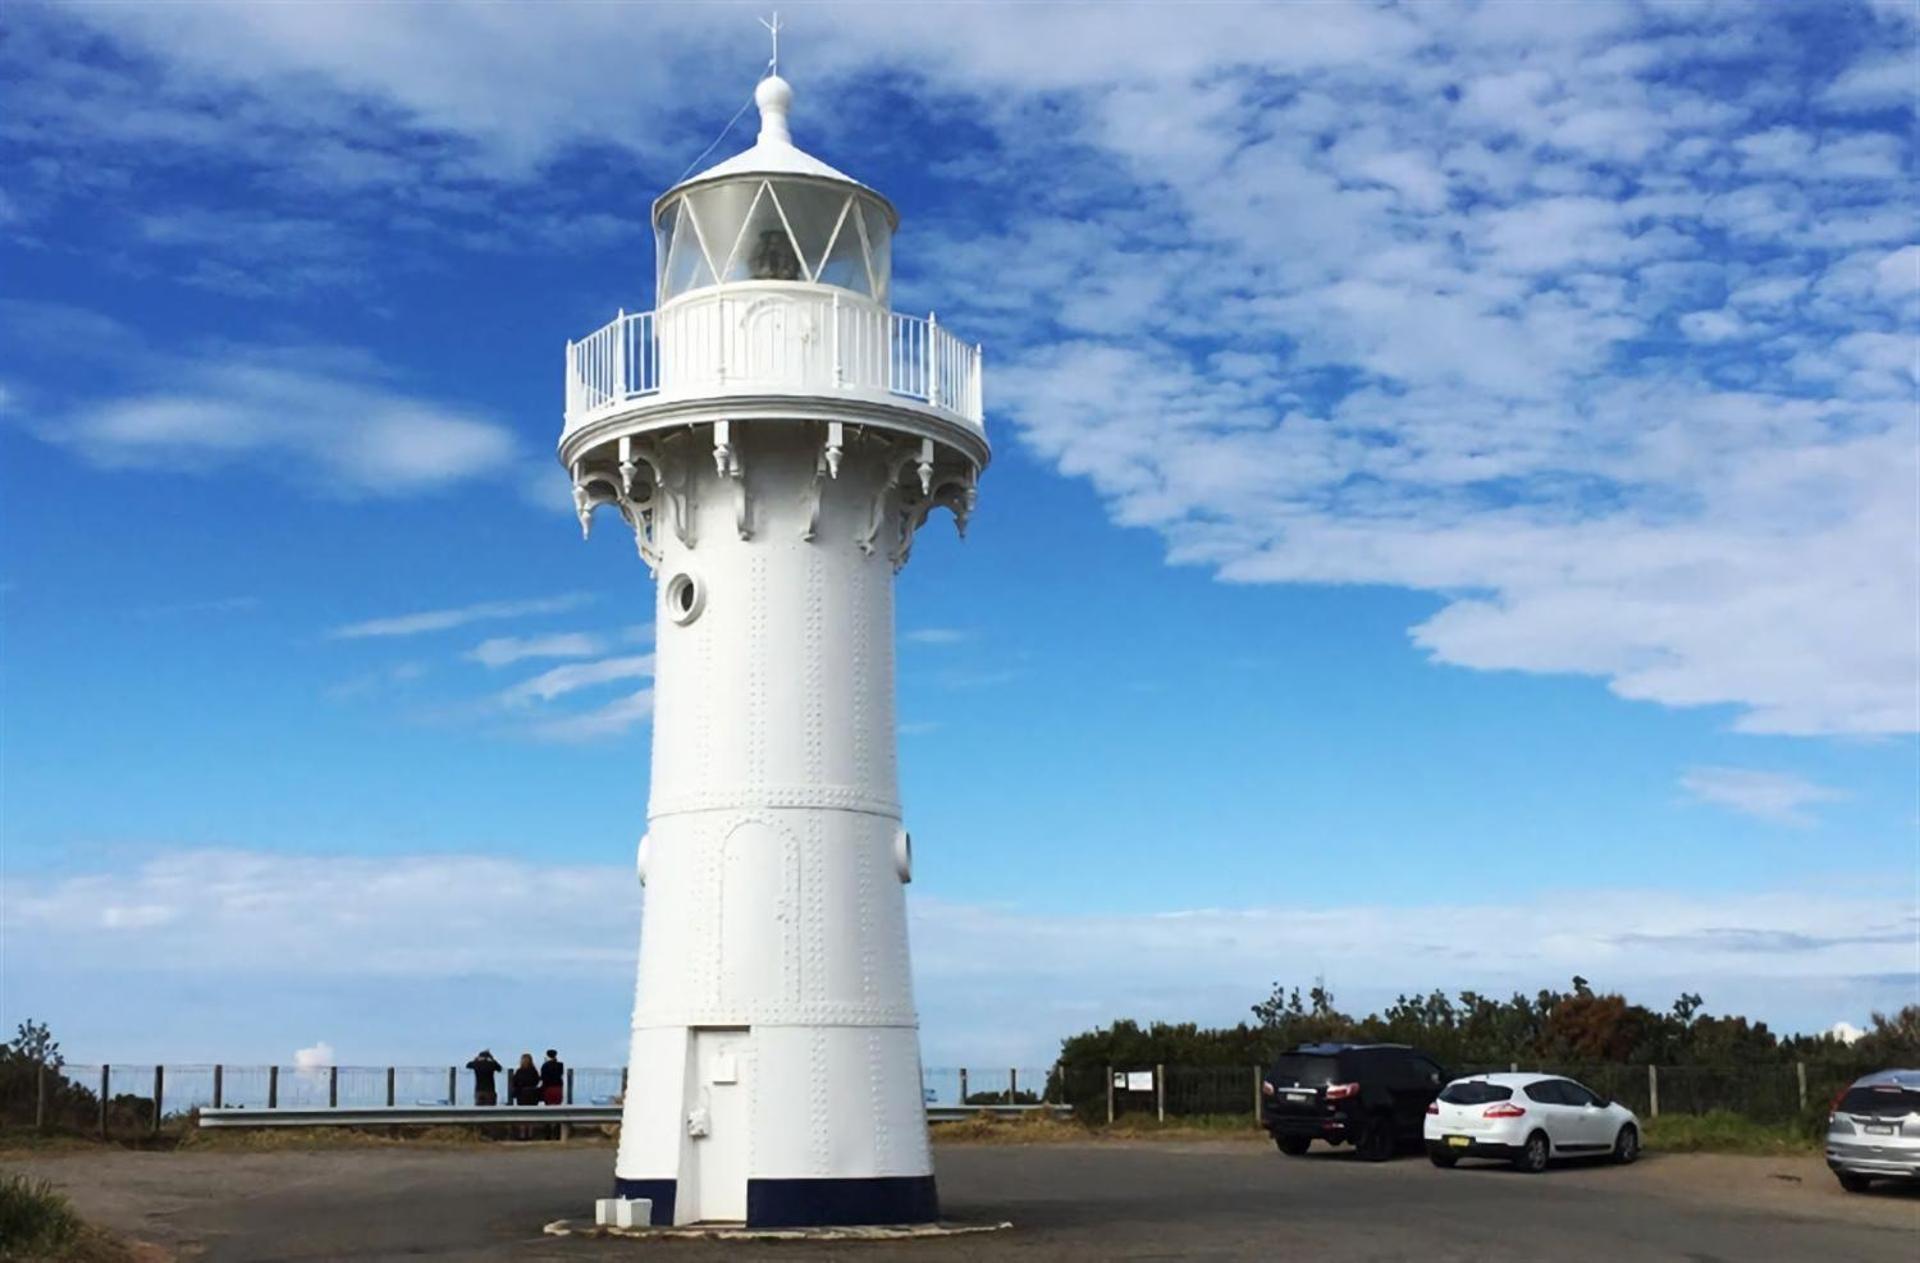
726,462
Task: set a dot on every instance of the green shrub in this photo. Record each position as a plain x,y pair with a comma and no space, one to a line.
35,1221
1723,1131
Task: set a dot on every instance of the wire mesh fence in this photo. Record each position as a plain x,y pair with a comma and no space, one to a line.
137,1099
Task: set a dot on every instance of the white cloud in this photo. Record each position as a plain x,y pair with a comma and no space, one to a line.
559,681
990,981
500,651
1846,1032
609,720
1778,797
935,636
459,616
317,1056
321,417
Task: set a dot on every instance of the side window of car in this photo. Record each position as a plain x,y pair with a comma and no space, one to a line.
1427,1074
1572,1093
1547,1092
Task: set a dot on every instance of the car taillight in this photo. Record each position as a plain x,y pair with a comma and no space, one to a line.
1266,1088
1433,1107
1506,1109
1834,1107
1341,1091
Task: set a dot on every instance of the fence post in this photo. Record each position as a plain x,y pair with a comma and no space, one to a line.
1013,1085
963,1085
569,1085
1653,1091
1109,1096
105,1079
159,1094
1160,1091
453,1086
219,1085
333,1087
1800,1073
933,360
40,1096
623,1084
1258,1078
273,1087
390,1077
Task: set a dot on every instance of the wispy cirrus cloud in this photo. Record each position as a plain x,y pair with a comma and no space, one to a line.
500,651
935,636
560,681
1776,797
459,616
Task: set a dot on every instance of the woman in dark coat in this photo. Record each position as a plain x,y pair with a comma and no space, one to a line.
526,1081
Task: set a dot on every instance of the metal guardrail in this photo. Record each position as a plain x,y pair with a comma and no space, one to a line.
517,1115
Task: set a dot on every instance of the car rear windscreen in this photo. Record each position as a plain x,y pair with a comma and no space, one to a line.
1305,1070
1475,1092
1888,1100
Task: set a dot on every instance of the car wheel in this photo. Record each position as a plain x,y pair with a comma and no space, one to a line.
1441,1158
1376,1141
1852,1182
1626,1146
1293,1146
1533,1155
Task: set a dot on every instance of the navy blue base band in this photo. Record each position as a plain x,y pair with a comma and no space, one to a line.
882,1199
660,1192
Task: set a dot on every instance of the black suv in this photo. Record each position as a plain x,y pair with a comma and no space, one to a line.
1371,1096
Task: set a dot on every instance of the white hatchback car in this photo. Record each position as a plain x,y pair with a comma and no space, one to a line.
1528,1120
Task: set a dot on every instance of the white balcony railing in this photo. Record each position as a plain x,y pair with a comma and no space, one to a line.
772,340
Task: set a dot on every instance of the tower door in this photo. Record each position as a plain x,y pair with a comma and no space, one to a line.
717,1123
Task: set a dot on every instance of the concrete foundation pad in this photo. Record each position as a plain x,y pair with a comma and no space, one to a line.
738,1232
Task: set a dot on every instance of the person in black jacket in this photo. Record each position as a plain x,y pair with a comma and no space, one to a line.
553,1079
484,1067
526,1082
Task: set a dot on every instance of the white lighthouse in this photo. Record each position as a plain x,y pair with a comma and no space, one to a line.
774,434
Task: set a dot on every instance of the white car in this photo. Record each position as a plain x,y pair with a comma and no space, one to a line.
1528,1120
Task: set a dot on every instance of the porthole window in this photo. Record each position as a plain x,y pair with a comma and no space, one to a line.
686,597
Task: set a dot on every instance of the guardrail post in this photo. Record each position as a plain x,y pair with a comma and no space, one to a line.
620,355
40,1096
1653,1091
333,1087
390,1077
1109,1095
833,341
105,1079
1800,1073
1160,1091
273,1087
219,1086
933,358
159,1094
963,1085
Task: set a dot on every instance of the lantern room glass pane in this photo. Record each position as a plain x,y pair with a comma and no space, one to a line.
722,211
764,251
663,249
686,266
846,263
879,250
813,212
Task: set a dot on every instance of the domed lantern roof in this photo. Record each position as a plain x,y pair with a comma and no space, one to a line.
773,213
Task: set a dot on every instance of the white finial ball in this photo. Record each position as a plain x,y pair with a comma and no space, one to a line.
774,96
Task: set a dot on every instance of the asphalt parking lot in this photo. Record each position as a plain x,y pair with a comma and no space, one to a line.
1106,1200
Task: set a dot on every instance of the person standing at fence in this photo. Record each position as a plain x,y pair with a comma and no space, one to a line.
526,1082
484,1067
553,1079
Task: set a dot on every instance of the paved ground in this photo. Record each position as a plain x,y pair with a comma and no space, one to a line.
1146,1200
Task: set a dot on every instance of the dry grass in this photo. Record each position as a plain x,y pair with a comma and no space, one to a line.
275,1139
1040,1129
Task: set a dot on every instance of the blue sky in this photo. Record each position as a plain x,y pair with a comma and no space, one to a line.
1452,520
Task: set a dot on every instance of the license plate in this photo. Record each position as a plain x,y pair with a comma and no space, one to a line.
1297,1097
1879,1129
1459,1142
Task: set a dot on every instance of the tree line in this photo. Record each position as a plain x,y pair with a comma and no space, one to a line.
1468,1029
